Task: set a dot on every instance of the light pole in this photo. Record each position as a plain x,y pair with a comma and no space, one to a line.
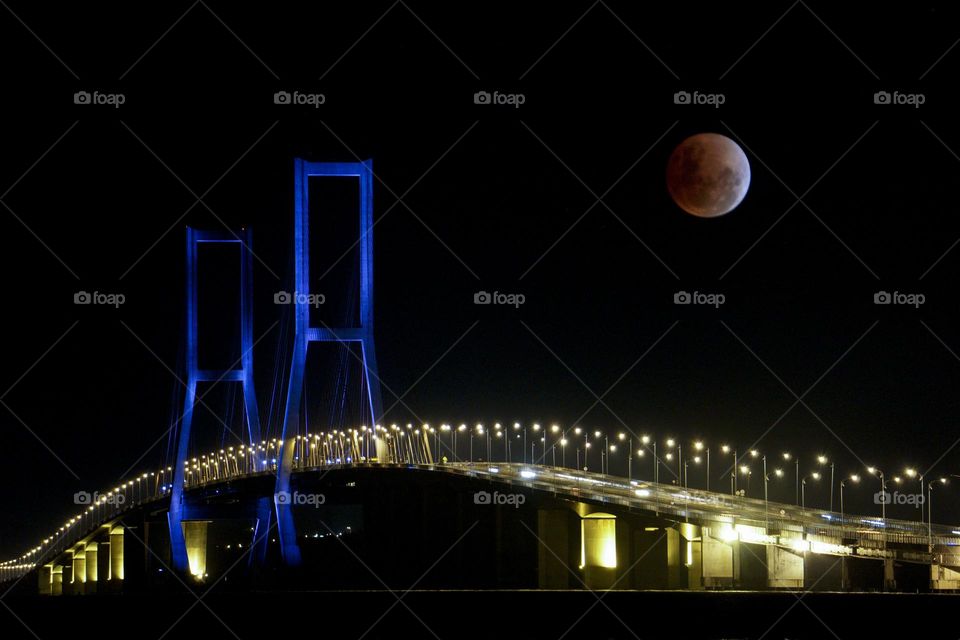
766,479
670,443
803,488
796,463
563,452
646,441
621,437
778,472
754,454
446,427
533,444
930,512
745,470
553,448
733,474
822,460
698,446
910,472
596,436
843,560
605,454
883,498
524,443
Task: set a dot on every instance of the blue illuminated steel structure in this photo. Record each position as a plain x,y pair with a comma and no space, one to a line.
195,374
305,334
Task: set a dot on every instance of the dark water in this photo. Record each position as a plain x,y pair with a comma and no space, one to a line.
497,614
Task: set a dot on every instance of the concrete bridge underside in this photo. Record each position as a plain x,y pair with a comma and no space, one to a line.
367,527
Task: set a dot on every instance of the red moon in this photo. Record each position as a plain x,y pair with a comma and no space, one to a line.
708,175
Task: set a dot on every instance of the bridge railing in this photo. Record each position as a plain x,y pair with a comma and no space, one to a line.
671,500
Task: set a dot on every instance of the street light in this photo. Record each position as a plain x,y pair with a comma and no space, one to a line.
930,512
647,440
622,436
803,488
553,448
533,443
733,472
911,473
853,478
843,560
670,443
787,456
822,460
883,502
699,446
745,470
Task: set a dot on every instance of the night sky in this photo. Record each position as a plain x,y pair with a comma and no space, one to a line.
494,198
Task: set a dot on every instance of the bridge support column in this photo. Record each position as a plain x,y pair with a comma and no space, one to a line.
90,553
66,579
80,569
598,550
718,560
116,555
889,576
45,580
784,568
103,567
195,538
676,574
944,578
56,580
554,550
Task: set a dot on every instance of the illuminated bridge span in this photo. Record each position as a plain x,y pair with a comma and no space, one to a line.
329,510
573,526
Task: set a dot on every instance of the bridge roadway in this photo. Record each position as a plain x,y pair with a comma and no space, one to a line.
723,517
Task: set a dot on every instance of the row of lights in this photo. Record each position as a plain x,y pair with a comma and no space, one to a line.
209,463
